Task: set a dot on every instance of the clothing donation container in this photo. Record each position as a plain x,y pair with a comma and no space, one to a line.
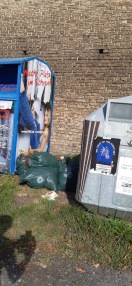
26,90
105,173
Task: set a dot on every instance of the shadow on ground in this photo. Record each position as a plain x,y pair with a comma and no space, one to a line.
14,254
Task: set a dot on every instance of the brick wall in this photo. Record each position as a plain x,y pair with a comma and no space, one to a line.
88,46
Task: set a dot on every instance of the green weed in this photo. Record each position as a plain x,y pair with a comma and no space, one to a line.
7,192
66,230
102,240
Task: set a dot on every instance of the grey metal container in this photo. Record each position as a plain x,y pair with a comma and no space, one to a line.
105,172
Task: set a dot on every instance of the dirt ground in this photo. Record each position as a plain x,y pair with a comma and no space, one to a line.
25,197
58,271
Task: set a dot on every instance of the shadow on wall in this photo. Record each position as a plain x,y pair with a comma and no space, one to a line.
14,255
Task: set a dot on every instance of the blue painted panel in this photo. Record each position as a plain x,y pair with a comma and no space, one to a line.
9,96
15,129
6,61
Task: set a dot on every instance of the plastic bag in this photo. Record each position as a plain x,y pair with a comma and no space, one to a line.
41,178
62,175
43,159
43,170
22,162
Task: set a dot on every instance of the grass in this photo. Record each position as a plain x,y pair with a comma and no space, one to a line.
100,240
65,230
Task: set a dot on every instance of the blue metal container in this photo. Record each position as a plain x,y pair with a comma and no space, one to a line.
25,84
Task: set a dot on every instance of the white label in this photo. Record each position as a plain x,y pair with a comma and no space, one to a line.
5,104
124,176
103,168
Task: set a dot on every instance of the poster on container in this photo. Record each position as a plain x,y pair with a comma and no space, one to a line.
35,112
105,155
6,133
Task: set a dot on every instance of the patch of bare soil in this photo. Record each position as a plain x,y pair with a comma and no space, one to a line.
26,195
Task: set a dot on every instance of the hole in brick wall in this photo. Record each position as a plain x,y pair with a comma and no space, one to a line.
25,52
101,51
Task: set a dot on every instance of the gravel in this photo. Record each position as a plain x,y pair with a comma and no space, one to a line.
63,272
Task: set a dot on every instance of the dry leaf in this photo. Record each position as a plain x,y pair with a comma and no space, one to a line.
63,238
125,267
43,265
80,270
37,250
96,265
109,259
35,227
48,244
52,250
125,256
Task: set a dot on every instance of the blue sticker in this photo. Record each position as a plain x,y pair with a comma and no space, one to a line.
105,151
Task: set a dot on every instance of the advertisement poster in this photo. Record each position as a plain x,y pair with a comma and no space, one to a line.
105,155
124,176
35,112
6,132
